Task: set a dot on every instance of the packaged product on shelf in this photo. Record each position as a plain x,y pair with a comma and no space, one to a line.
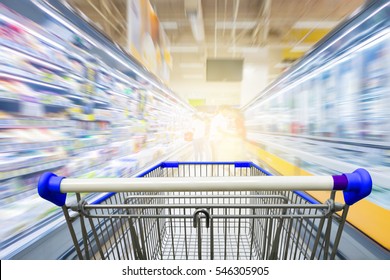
12,32
13,161
7,189
76,66
60,58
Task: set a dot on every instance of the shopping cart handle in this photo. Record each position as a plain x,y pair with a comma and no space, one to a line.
356,185
49,188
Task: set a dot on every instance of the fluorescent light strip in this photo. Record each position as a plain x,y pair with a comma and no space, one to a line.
169,25
120,78
282,65
235,25
315,24
76,96
193,76
191,65
184,49
245,49
197,27
302,48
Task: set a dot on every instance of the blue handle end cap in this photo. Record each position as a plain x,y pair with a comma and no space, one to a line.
49,188
359,186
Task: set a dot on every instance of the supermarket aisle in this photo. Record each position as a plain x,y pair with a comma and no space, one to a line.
329,113
230,149
87,110
220,136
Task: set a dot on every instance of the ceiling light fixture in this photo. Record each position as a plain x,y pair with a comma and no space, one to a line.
184,49
316,24
236,25
169,25
193,77
301,48
246,49
193,10
191,65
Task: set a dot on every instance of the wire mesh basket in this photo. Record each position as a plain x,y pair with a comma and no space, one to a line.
216,210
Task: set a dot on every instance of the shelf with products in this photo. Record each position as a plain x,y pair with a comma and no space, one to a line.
76,50
4,175
88,160
24,186
101,98
21,59
27,86
83,150
20,204
11,72
77,65
29,76
14,161
60,88
26,37
16,147
42,56
95,162
121,166
121,91
93,127
25,147
39,72
87,170
21,98
108,127
11,189
119,101
25,47
42,105
91,140
122,135
82,133
17,122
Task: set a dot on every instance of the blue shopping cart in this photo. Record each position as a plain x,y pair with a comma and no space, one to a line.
206,210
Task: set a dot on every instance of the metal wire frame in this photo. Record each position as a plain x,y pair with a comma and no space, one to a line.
243,225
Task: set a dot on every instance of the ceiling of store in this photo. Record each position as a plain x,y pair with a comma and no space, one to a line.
268,34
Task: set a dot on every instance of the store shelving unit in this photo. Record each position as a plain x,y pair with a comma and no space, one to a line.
66,110
329,112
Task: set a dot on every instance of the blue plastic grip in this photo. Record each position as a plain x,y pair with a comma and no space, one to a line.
49,188
359,186
242,164
170,164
